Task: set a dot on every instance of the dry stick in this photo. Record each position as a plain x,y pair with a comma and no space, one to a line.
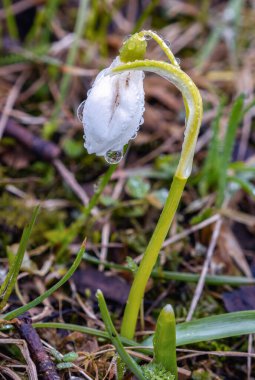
10,101
201,281
193,353
192,229
71,181
185,233
106,230
21,6
107,227
45,367
47,151
250,355
44,149
31,369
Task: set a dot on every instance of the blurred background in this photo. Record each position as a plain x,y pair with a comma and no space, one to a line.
51,51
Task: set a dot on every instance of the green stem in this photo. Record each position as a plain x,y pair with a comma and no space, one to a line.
150,258
215,280
127,359
194,108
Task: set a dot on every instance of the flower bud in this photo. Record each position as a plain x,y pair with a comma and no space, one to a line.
112,112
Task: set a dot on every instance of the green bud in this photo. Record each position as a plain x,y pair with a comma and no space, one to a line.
164,341
134,48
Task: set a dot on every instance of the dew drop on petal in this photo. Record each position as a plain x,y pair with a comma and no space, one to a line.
113,156
80,111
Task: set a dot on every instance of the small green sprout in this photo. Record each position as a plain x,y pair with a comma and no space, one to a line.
164,341
153,371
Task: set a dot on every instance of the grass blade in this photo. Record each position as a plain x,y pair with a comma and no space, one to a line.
228,144
210,328
215,327
41,298
11,278
126,358
214,280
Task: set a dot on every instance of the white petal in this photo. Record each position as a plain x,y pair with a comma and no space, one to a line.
113,110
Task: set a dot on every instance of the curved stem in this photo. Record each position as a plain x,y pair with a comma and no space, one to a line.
192,100
150,257
163,45
193,106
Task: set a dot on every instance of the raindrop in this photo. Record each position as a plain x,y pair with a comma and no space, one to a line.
113,156
80,111
168,43
178,60
147,37
127,38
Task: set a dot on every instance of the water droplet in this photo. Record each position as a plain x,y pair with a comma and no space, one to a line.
134,136
178,60
147,37
80,111
127,37
168,43
113,156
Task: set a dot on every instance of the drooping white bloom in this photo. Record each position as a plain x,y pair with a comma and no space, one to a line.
112,113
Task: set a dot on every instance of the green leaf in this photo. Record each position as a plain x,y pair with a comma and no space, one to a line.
211,328
201,330
228,144
41,298
127,359
137,187
10,280
73,148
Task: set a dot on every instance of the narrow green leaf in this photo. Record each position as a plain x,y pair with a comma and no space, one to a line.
204,329
11,278
127,359
228,144
212,328
210,170
215,280
41,298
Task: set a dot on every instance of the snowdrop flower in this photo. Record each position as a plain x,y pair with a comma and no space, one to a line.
111,116
113,111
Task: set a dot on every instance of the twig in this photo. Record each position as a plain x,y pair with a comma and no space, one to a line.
106,230
201,281
190,230
193,353
31,370
249,356
10,101
45,367
40,147
72,182
20,6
